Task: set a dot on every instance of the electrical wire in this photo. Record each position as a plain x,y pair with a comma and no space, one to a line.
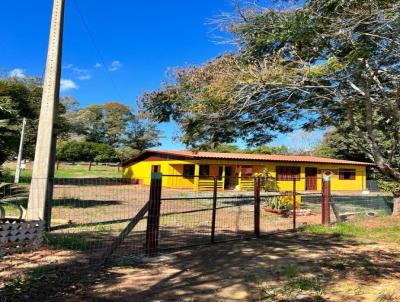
95,45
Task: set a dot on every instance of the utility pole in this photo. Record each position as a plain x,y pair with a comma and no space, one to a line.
40,195
20,152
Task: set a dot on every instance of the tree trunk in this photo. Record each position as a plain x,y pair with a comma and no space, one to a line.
396,206
389,171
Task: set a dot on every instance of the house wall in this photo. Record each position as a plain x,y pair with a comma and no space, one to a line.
142,171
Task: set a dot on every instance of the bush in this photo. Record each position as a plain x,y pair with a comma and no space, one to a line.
85,151
389,186
268,183
282,202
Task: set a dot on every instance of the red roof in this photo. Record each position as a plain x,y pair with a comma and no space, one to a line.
243,156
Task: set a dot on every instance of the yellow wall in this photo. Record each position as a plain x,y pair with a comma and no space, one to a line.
142,171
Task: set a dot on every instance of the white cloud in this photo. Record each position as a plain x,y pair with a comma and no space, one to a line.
17,73
115,65
98,65
85,77
67,84
81,74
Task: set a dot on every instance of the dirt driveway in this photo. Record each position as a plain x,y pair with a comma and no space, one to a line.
277,268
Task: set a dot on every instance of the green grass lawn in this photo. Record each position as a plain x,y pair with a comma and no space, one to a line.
385,229
70,171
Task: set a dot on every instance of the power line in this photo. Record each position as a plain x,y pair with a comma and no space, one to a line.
95,45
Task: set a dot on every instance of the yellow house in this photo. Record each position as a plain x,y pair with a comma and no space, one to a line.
197,170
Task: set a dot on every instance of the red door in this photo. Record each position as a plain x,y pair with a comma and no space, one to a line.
311,179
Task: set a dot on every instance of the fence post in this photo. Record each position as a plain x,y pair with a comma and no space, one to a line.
257,206
326,196
214,209
153,220
294,203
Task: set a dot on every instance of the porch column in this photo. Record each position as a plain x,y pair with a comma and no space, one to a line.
240,178
223,177
196,176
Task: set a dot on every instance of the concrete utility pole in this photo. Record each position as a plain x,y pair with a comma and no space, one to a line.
20,152
40,195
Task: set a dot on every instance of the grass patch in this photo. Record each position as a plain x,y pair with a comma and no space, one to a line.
78,241
307,289
382,229
340,230
291,271
69,171
83,237
35,276
304,284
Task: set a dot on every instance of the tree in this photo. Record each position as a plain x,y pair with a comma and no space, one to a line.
116,119
114,124
327,63
7,134
85,151
18,99
141,135
269,150
204,102
89,123
125,153
227,148
337,146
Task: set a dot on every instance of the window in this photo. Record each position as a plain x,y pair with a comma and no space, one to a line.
188,170
347,174
204,170
287,173
247,171
156,169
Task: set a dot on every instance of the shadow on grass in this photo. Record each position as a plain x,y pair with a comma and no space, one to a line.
83,203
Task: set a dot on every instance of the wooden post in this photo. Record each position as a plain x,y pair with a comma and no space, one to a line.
214,209
294,203
326,195
257,203
125,232
153,220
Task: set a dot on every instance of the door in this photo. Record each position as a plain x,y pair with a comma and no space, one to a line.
155,169
228,175
311,179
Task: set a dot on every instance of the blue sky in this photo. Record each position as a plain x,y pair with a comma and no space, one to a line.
137,40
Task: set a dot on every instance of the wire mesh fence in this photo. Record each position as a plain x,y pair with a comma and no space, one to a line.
130,217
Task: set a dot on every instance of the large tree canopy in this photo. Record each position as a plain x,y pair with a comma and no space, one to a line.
327,63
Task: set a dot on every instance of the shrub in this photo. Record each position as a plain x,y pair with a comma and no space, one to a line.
268,182
390,187
282,202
